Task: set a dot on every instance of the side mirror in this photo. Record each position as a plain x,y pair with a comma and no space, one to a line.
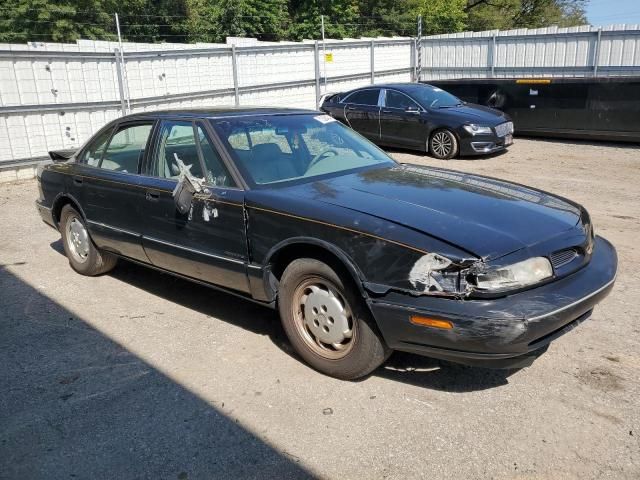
188,185
183,196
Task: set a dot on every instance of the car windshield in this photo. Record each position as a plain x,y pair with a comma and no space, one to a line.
279,148
433,97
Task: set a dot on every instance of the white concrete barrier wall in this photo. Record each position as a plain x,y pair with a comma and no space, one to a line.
551,52
55,96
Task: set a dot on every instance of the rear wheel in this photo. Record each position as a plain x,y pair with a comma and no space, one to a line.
327,322
84,257
443,144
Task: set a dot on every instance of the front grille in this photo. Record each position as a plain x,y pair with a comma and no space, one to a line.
504,129
563,257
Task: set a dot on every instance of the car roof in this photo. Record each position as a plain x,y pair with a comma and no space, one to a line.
218,112
407,86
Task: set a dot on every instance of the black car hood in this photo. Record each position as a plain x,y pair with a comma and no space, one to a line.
475,113
486,217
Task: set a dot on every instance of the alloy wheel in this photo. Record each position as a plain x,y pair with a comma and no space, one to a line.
441,144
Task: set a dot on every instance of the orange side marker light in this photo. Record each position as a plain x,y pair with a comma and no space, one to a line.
431,322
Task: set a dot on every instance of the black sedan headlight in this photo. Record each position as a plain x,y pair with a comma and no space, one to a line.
512,277
474,129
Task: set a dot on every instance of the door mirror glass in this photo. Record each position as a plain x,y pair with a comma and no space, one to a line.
188,185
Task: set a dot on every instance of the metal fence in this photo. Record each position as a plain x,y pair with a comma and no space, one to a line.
54,97
555,52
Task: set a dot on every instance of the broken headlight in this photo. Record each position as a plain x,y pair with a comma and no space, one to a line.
511,277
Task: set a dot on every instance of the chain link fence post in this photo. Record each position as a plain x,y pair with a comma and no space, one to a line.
234,66
596,52
372,60
412,60
493,55
316,64
123,66
123,104
419,50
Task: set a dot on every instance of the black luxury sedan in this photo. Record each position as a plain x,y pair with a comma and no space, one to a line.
360,255
421,117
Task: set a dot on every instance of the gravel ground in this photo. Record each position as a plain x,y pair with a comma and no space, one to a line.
136,374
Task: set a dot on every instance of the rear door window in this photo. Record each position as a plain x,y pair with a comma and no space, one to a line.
126,148
364,97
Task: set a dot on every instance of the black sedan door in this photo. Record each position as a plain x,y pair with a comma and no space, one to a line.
209,242
362,112
108,182
402,122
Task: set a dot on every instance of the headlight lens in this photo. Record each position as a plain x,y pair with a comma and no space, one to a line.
474,129
514,276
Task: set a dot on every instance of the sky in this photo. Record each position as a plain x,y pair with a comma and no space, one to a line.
606,12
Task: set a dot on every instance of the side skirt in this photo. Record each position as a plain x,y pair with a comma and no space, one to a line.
235,293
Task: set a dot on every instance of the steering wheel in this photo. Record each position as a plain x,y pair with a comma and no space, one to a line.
321,156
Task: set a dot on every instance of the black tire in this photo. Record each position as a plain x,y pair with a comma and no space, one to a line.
95,261
443,144
367,350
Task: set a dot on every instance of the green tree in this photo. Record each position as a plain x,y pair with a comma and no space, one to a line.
61,21
341,18
213,20
507,14
388,17
442,16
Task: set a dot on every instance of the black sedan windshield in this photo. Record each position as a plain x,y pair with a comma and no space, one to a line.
277,148
433,97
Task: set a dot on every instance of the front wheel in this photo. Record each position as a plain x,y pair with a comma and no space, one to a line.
443,144
327,322
84,257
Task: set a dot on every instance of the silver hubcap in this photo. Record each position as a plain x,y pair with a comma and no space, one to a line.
441,144
323,318
77,239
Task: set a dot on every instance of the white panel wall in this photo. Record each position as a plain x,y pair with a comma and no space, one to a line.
264,66
37,77
552,51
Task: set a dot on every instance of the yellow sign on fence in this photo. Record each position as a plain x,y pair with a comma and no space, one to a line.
328,57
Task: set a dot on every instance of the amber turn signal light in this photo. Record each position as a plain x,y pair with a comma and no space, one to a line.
431,322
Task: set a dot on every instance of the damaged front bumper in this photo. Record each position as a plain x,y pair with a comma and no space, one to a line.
507,332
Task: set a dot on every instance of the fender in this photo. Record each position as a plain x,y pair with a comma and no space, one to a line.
61,197
268,281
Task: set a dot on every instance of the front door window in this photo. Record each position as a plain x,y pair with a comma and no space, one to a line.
189,143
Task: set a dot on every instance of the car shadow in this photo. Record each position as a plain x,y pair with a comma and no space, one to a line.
77,404
401,367
441,375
